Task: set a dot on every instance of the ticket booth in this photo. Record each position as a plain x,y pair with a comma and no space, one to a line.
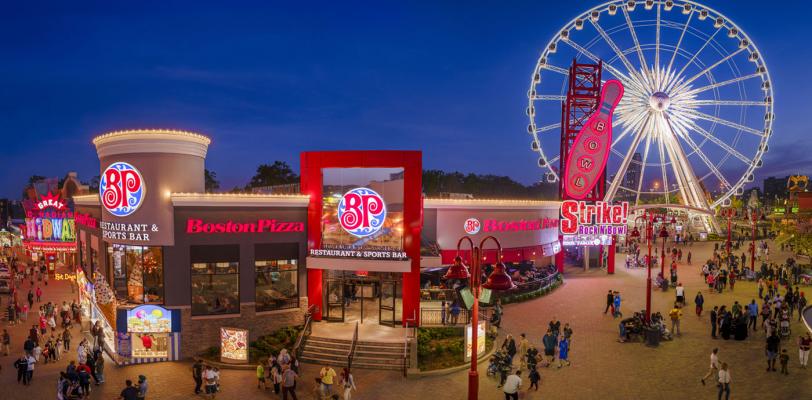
147,333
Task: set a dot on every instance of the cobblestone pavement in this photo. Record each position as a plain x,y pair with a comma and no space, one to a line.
601,367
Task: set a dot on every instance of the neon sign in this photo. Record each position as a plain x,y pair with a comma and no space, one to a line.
472,226
50,229
51,201
194,225
590,150
361,212
601,218
121,189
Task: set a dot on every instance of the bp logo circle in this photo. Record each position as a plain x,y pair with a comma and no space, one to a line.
472,226
121,189
361,212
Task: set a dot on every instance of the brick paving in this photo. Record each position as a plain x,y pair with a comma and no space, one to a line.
601,367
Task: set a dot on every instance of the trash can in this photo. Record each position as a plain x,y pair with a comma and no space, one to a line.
652,337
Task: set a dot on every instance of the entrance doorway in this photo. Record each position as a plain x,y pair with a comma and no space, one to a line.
366,297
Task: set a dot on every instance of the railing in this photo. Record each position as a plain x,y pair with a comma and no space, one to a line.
433,316
351,353
306,330
405,361
531,286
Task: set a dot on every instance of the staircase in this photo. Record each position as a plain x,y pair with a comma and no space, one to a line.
369,355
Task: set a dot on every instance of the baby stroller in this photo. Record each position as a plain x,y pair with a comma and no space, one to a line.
496,362
784,329
72,391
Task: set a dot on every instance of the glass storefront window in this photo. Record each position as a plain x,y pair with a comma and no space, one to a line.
137,273
215,288
276,283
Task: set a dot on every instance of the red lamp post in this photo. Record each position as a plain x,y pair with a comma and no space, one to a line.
498,280
756,216
648,219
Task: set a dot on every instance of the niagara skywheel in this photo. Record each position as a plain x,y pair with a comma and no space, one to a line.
697,112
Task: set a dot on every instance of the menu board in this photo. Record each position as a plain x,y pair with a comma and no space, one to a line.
149,319
234,345
480,343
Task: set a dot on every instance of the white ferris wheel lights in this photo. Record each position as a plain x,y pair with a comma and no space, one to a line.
695,116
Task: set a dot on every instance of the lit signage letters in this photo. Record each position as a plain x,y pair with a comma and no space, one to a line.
51,201
194,225
125,231
601,218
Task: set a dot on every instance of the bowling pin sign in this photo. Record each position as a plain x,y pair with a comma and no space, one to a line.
590,151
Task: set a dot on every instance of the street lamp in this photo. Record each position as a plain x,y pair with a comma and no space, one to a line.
498,280
729,213
648,218
756,216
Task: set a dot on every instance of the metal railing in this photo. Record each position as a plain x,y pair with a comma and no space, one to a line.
351,353
306,330
434,316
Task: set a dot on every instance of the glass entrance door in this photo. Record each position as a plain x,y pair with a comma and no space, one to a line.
387,310
334,300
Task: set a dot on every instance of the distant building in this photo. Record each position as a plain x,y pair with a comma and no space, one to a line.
775,189
631,178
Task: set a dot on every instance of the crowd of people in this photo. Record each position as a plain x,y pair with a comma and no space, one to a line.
280,372
556,345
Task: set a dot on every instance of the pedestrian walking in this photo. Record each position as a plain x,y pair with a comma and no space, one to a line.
563,352
784,359
804,343
327,374
6,343
610,302
129,392
261,375
752,314
773,344
617,302
197,374
524,344
535,377
680,293
512,385
39,294
714,365
509,346
724,382
675,314
348,383
99,367
210,376
143,387
714,315
21,364
289,378
699,300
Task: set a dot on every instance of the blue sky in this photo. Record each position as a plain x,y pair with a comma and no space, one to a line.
266,80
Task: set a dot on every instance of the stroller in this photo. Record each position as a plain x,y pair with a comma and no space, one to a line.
71,391
784,329
497,362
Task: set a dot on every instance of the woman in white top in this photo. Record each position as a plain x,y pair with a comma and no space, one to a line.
724,382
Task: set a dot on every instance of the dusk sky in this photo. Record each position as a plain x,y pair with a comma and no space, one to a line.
267,80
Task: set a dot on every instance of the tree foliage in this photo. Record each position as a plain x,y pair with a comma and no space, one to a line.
484,186
278,173
212,184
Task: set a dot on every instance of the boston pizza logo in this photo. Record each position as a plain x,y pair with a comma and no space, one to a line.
472,226
121,189
361,212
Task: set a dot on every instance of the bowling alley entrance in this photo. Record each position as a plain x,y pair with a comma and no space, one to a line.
366,297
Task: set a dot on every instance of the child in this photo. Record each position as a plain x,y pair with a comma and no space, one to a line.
535,377
784,358
563,350
261,376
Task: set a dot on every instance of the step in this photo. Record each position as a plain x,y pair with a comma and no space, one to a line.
364,364
357,356
358,350
359,343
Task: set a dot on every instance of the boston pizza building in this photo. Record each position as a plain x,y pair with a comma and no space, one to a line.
168,269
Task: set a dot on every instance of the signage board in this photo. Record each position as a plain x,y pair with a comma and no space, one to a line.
362,214
121,189
149,319
586,240
262,225
51,201
480,343
601,218
234,345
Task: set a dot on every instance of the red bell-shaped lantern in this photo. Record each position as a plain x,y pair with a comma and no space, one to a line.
499,279
457,271
663,232
635,233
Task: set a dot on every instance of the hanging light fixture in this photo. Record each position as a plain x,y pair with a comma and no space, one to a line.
499,279
635,233
457,271
673,220
663,232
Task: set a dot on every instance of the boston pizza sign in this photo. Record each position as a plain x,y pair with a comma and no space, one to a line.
121,189
361,212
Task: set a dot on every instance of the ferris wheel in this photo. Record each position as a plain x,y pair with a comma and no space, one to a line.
697,112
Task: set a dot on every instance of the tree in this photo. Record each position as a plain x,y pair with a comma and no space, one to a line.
212,183
93,185
278,173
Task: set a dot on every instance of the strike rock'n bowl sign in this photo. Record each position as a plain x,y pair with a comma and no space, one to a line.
121,189
361,212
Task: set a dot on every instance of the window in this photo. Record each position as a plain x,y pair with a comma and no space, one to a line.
215,288
137,273
277,284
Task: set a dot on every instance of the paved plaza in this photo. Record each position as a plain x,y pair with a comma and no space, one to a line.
601,367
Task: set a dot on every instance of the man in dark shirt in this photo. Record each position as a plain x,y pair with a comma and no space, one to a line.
610,299
129,392
773,345
713,316
197,374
